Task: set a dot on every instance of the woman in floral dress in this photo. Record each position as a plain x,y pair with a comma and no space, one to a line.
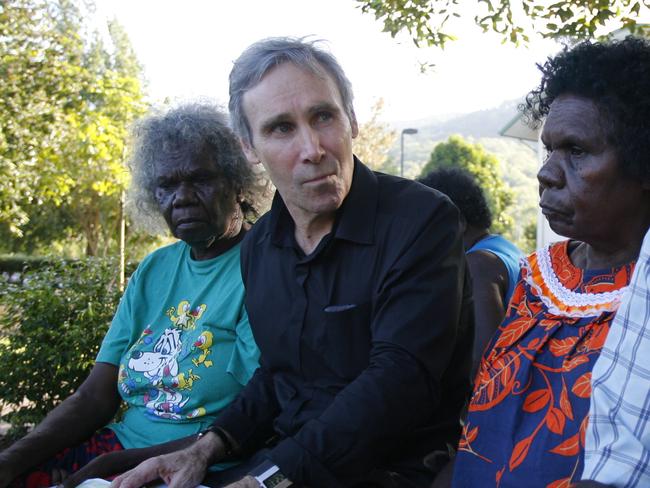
528,412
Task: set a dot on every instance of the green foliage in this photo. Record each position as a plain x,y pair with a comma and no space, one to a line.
375,140
426,21
65,104
20,263
521,162
456,152
51,326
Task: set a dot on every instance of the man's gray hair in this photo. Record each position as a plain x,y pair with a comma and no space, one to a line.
259,58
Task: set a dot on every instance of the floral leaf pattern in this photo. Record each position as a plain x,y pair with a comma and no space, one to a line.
513,332
561,347
536,400
520,452
569,447
574,362
531,392
582,386
565,404
555,420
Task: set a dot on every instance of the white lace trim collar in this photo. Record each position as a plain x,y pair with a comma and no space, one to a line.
577,304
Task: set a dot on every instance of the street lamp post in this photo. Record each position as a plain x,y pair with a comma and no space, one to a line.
401,148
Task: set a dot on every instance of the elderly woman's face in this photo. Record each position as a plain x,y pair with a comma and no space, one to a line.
583,192
191,197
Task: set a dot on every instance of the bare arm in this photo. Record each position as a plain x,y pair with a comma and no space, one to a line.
489,284
92,406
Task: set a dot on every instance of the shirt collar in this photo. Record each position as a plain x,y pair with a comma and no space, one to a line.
359,210
355,218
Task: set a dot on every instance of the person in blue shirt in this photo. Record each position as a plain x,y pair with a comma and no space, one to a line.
493,260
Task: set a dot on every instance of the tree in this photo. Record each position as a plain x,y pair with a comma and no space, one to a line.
65,104
375,140
426,21
456,152
38,83
95,144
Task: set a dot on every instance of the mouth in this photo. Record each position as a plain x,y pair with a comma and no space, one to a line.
552,213
319,179
189,222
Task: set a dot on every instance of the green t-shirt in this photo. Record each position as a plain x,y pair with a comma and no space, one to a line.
182,342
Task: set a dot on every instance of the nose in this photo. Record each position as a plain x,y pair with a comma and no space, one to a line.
311,149
136,354
551,175
185,194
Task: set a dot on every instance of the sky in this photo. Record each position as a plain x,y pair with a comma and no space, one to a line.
187,49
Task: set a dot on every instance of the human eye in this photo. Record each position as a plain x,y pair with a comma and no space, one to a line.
576,150
165,184
281,128
324,116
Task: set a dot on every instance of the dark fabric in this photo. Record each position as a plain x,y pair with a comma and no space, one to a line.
70,460
366,343
374,479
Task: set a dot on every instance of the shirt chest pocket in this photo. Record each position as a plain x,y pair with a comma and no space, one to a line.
342,337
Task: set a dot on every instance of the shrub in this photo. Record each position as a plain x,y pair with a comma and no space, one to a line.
51,326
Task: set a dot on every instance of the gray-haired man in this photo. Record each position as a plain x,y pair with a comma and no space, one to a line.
356,294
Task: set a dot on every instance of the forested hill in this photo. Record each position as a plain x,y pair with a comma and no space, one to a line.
474,126
484,123
518,159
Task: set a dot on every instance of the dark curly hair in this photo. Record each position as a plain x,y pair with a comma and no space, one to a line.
461,187
615,75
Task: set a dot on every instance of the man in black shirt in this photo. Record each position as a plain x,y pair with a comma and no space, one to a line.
356,293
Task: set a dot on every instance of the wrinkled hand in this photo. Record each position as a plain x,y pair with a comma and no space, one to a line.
247,482
180,469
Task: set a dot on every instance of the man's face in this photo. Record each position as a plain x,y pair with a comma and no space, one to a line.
302,135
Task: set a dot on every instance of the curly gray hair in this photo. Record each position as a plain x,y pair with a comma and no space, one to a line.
198,128
260,57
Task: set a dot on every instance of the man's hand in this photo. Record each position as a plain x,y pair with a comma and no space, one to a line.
247,482
180,469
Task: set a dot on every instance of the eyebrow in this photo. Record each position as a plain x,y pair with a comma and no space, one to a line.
330,107
269,124
275,120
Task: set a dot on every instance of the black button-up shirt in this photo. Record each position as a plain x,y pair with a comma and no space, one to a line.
365,343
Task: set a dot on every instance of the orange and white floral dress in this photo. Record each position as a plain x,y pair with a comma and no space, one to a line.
528,412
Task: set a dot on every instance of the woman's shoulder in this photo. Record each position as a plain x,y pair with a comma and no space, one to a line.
175,248
163,256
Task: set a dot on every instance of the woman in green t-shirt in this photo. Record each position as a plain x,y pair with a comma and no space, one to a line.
179,348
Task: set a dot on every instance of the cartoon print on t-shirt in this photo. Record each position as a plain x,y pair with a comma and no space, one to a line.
203,343
159,373
160,362
186,318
